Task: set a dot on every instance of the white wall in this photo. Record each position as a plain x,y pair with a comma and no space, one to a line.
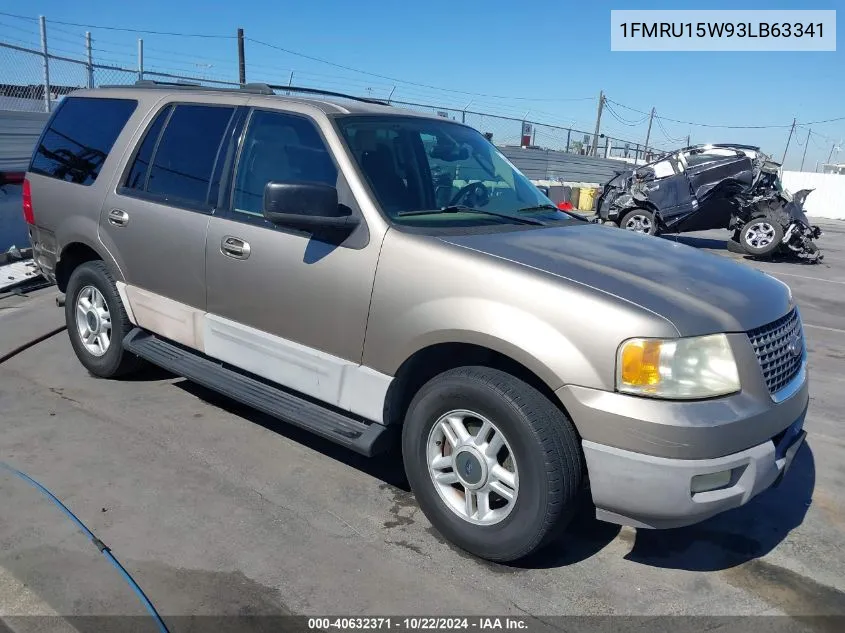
828,197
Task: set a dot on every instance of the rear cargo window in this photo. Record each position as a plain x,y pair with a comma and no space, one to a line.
80,136
181,168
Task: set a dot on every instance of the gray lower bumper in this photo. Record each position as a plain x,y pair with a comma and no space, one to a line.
656,492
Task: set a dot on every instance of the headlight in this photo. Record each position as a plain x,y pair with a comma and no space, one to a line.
677,369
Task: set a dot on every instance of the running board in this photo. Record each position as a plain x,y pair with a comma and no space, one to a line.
362,437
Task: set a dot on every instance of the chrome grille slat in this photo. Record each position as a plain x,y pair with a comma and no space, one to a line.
771,344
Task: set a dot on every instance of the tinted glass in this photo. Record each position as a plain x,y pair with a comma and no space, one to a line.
137,178
184,160
80,137
279,147
423,165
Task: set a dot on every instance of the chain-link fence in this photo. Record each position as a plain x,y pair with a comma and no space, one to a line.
31,80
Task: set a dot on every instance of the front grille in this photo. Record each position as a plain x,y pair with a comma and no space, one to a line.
779,347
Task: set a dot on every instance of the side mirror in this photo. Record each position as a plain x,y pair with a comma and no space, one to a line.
306,206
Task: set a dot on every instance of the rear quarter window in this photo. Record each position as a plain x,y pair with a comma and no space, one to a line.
80,137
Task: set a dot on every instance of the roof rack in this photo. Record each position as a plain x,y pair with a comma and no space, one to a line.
327,93
253,88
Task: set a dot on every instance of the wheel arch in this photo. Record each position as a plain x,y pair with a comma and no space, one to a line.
72,255
436,358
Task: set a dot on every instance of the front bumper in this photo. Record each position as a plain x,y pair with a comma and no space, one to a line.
643,453
656,492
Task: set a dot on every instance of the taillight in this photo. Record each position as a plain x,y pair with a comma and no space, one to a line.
27,203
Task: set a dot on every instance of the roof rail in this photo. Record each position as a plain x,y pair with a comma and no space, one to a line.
255,88
328,93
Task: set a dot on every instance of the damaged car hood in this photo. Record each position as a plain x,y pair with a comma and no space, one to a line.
699,293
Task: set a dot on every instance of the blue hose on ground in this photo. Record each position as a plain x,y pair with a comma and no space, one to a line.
97,542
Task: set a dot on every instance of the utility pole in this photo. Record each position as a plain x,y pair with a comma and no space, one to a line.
687,145
832,147
789,138
241,60
90,57
43,22
140,59
598,123
647,135
806,143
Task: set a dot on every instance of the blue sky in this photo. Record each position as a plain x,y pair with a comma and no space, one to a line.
549,58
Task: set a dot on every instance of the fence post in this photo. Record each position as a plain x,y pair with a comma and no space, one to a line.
89,55
606,146
140,59
43,22
568,135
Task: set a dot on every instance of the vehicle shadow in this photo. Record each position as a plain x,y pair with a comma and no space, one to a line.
386,467
698,242
584,537
736,536
724,541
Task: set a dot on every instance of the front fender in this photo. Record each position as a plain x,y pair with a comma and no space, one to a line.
513,332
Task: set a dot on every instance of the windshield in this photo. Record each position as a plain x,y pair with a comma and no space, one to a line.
415,164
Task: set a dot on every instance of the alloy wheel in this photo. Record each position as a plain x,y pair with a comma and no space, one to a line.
472,467
93,320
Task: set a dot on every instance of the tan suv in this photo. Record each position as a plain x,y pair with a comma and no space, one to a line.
365,272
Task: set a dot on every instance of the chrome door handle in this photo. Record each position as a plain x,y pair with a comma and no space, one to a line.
234,247
118,217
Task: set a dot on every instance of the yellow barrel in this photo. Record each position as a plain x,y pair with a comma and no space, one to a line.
587,199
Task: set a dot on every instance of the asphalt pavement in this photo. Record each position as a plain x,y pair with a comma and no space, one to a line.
218,510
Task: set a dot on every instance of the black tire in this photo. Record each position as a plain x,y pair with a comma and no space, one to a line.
115,361
753,229
545,448
631,217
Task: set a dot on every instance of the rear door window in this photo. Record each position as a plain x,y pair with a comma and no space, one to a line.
79,138
181,169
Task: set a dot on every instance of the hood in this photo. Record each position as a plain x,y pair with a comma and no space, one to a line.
698,292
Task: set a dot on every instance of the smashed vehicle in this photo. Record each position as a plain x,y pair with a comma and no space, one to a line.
734,187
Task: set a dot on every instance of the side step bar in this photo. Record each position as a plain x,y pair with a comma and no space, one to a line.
362,437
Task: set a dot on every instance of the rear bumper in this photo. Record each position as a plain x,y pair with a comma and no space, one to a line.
44,251
656,492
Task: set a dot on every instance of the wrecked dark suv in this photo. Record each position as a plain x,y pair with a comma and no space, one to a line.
733,187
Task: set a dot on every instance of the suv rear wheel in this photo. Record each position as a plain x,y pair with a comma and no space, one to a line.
97,321
495,466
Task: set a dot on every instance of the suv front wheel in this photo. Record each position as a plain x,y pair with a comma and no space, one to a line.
97,321
495,466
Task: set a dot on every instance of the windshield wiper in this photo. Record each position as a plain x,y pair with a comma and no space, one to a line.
537,207
459,208
540,207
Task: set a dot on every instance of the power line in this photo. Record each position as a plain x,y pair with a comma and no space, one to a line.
120,28
403,81
735,127
34,33
669,138
839,118
20,17
621,119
